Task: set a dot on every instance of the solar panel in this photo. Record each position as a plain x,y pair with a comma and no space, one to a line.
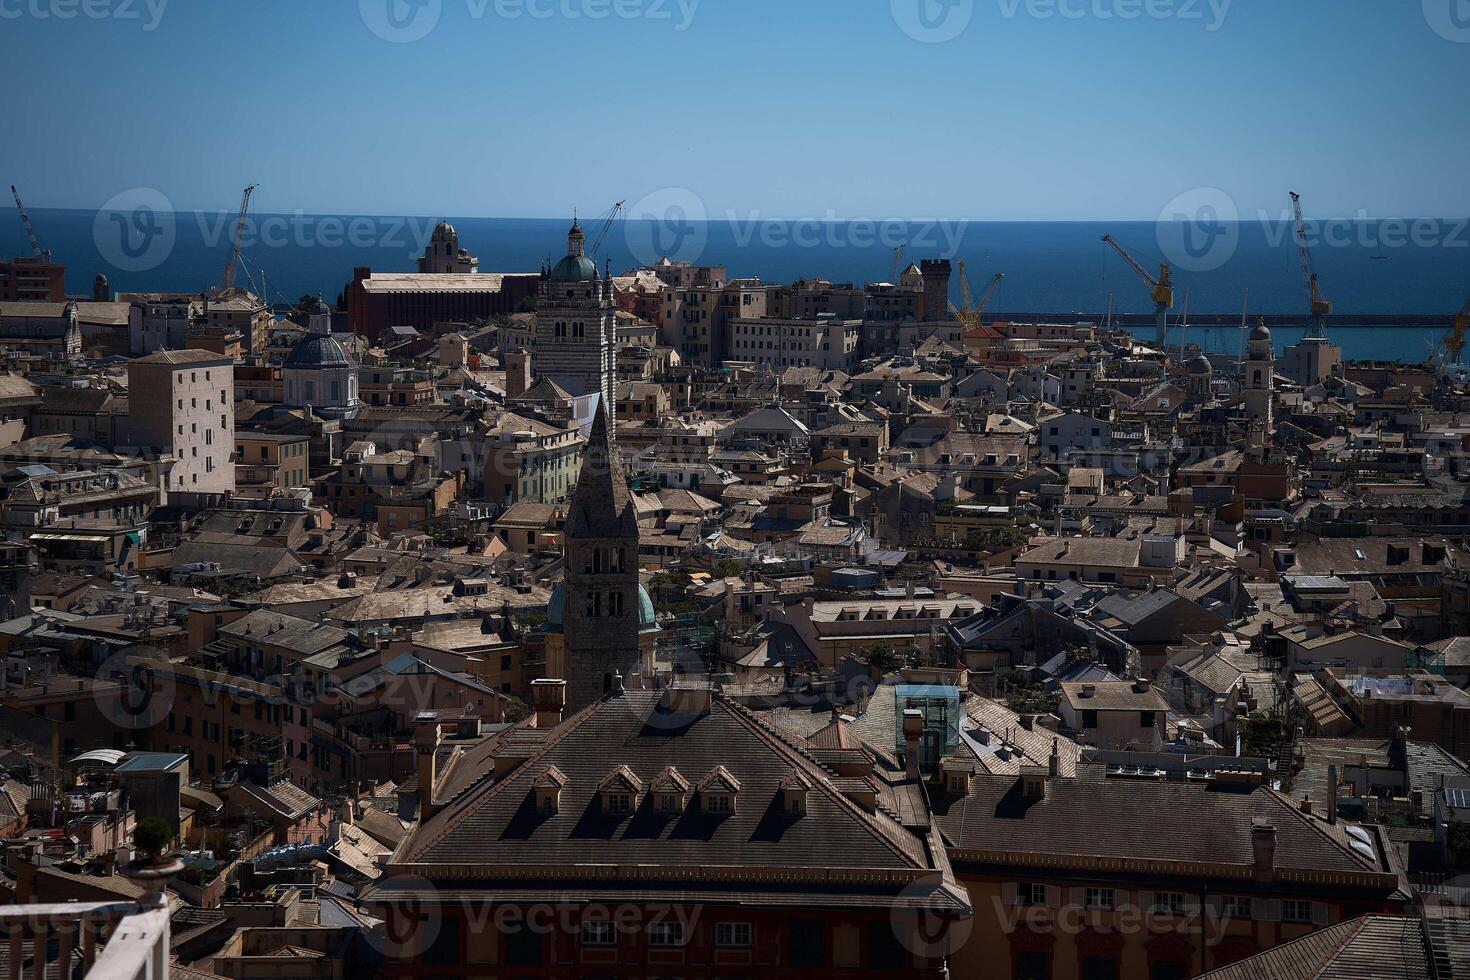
1458,798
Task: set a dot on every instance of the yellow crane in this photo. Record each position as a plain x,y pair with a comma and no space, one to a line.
1456,342
972,313
1161,289
1321,306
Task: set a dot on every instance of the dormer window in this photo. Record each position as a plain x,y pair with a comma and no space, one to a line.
668,792
619,791
718,790
794,790
547,789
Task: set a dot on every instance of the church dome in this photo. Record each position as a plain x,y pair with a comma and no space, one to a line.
1199,365
556,610
316,351
574,268
1260,332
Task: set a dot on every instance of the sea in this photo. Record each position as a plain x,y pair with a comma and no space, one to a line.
1400,269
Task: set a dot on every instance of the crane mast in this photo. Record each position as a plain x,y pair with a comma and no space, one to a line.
227,278
973,312
1321,307
1161,290
1456,342
44,254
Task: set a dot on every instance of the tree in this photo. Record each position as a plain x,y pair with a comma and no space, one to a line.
152,836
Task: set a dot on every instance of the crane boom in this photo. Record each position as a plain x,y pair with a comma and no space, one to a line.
603,228
989,294
25,219
897,262
1321,307
227,278
1161,289
965,286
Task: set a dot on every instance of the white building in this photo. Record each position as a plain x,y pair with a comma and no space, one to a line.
443,254
319,372
182,403
825,342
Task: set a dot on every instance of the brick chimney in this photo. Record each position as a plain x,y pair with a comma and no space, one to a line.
1332,794
549,697
913,731
1263,847
1054,764
426,746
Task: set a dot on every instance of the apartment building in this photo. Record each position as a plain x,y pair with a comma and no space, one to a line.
182,403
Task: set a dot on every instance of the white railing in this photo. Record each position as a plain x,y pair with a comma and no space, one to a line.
96,940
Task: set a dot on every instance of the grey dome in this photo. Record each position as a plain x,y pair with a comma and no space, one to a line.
1199,365
318,351
1260,332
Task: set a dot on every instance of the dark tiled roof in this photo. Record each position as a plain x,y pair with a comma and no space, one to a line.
497,832
1134,821
1366,948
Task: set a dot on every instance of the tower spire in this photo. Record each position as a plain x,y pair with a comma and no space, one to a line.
602,507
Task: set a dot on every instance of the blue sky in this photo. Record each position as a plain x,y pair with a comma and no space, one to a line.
788,107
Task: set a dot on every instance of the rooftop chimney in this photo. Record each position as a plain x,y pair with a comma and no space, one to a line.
1263,846
913,730
1054,764
1332,794
426,746
549,697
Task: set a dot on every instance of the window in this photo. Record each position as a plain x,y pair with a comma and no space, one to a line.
1089,719
1099,898
732,934
808,947
1099,968
1031,893
619,803
666,934
1296,910
1235,907
1032,966
598,934
1145,719
717,803
1169,903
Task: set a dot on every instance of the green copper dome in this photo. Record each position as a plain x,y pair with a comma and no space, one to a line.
574,268
556,610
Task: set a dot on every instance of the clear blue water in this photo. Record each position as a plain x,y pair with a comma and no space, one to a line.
1366,267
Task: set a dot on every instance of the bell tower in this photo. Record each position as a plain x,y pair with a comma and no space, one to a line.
602,610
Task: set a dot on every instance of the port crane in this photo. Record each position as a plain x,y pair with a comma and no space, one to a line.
897,264
604,226
227,278
1455,344
971,315
1161,288
44,254
1321,306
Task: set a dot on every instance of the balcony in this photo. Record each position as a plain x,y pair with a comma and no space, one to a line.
92,940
